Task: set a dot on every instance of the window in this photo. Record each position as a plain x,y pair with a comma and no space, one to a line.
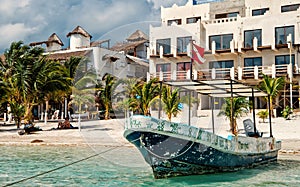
249,36
258,12
182,43
192,20
177,21
182,69
250,62
165,43
221,64
183,66
222,41
226,15
289,8
163,67
281,34
284,59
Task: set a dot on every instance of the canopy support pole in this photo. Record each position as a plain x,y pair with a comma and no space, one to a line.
253,111
160,90
270,116
212,113
190,107
231,108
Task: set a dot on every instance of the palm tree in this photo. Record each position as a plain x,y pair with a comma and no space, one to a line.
271,86
232,109
29,76
170,100
263,114
105,94
83,89
146,94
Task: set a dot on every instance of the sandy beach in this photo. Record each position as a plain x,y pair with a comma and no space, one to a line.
110,133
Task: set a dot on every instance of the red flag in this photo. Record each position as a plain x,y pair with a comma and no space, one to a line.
198,54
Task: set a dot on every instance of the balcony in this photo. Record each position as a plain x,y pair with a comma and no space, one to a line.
240,73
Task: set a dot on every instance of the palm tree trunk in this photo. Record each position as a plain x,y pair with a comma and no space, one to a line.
28,114
106,115
169,116
233,127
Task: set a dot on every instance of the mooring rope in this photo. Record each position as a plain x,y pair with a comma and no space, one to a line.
58,168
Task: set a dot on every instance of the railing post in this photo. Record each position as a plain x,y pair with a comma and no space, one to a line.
232,46
161,76
188,74
213,73
232,73
255,43
161,51
213,47
195,74
148,77
240,44
273,71
255,72
174,75
240,73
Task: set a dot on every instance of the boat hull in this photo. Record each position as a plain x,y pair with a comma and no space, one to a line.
177,149
170,156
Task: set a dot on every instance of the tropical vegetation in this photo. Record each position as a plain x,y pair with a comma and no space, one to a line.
29,77
233,109
286,113
146,94
171,101
263,114
272,87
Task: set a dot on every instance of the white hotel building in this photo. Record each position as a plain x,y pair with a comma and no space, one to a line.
242,40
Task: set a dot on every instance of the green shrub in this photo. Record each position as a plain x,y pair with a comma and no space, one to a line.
263,114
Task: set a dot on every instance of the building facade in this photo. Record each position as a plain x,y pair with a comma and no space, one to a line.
243,39
104,60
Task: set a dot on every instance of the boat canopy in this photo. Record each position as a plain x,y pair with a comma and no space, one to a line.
218,88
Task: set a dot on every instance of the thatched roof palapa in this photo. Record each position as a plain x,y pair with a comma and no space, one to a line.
52,39
79,30
66,55
137,36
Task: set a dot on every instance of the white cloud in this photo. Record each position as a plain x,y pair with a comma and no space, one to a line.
36,20
166,3
13,32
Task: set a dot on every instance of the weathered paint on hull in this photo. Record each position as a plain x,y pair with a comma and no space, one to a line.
171,156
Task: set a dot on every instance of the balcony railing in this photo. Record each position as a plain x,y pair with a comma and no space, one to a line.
251,72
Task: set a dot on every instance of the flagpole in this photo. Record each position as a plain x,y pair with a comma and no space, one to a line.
191,67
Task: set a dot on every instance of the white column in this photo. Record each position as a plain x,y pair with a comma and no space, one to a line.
273,71
161,51
255,72
213,73
148,77
240,73
161,76
232,46
255,43
188,74
232,73
195,74
174,75
213,47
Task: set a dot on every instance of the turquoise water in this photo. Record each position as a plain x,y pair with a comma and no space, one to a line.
110,167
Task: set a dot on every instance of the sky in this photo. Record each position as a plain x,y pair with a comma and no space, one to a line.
35,20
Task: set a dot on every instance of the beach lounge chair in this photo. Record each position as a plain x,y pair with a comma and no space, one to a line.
249,129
